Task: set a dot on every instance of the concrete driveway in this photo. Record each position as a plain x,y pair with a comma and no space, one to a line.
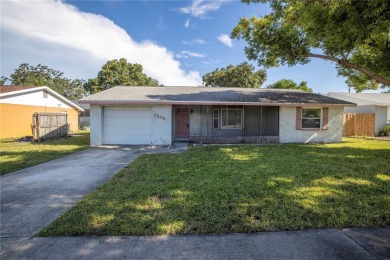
33,197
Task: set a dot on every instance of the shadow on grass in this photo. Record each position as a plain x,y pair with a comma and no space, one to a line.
239,189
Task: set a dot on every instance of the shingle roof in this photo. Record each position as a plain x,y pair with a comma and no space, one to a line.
203,95
82,105
6,88
175,95
381,99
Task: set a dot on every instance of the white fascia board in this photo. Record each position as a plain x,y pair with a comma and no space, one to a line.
44,88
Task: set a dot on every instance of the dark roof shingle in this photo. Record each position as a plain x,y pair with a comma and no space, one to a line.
199,95
7,88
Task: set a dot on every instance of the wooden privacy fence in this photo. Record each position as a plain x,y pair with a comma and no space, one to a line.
359,124
49,125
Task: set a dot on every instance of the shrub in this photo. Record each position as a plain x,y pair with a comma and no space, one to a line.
385,130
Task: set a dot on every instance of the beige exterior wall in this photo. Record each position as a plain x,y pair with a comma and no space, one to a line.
289,134
16,120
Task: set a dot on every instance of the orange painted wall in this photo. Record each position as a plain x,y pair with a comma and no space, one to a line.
16,120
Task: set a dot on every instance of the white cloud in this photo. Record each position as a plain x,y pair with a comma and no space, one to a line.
225,39
186,42
208,62
187,24
199,8
199,41
187,54
80,42
194,41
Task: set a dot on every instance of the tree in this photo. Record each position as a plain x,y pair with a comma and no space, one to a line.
3,80
75,89
290,84
243,75
117,73
42,75
353,34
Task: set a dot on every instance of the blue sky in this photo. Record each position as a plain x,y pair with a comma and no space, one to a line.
177,42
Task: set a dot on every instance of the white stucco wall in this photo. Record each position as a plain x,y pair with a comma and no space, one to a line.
161,133
289,134
161,128
34,99
388,114
96,125
381,118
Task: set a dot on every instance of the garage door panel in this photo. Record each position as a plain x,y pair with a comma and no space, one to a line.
128,130
124,125
126,139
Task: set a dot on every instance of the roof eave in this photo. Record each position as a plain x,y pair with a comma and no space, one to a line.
146,103
65,100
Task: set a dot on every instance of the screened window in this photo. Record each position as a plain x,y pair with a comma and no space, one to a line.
216,118
231,118
311,117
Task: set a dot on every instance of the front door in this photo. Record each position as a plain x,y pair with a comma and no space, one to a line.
181,123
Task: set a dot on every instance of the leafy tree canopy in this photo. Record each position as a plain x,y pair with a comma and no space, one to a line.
353,34
119,73
243,75
290,84
3,80
42,75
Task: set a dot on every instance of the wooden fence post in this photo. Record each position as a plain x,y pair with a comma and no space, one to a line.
34,123
38,128
67,125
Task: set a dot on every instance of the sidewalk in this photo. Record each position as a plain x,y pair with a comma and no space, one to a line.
364,243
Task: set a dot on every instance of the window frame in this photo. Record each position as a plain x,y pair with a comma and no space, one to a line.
320,118
216,118
227,125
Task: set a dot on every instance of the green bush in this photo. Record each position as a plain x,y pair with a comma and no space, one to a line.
385,130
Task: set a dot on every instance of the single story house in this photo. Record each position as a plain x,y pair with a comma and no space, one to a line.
19,103
83,116
161,115
368,103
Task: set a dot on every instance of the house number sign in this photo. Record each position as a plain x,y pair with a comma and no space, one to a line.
159,116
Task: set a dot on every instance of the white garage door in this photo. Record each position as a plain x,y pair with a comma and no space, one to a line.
127,125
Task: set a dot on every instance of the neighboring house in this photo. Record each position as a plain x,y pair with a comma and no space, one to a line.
162,115
368,103
83,116
19,103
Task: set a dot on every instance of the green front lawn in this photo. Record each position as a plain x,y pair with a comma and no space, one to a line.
248,188
19,155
